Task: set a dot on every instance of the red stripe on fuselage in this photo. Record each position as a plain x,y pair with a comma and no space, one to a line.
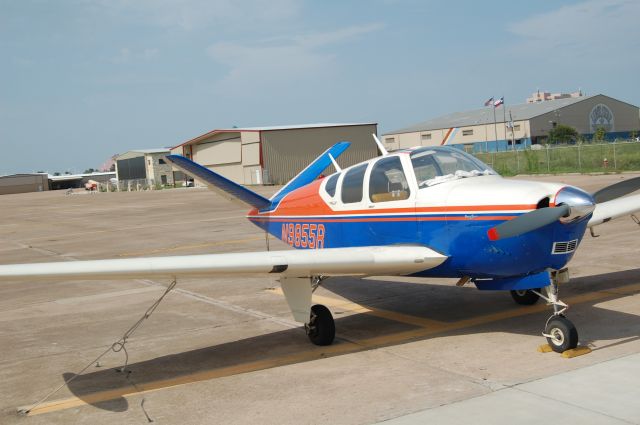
306,201
377,219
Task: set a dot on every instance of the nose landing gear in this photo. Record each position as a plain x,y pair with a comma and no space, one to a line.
561,334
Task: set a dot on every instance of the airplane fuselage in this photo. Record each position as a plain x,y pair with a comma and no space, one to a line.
451,217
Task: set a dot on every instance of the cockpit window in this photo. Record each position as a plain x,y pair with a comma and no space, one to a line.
352,184
440,164
387,181
330,187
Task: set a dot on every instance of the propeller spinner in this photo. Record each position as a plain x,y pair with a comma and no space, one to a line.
571,204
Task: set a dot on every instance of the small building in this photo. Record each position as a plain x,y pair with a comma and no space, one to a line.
77,181
23,183
274,155
542,96
146,164
518,126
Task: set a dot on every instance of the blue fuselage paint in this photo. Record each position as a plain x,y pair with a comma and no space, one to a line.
461,238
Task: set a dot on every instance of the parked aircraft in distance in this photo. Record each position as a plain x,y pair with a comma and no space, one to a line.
424,211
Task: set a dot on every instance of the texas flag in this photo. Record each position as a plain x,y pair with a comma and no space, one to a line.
498,102
488,102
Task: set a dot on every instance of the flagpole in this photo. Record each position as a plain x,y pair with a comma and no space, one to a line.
495,126
513,133
504,117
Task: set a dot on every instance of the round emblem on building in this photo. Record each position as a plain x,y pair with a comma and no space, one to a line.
601,116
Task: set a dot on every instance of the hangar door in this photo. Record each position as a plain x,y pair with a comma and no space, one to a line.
132,169
223,156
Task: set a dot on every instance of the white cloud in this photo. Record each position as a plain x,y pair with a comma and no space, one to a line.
282,60
598,28
128,54
195,14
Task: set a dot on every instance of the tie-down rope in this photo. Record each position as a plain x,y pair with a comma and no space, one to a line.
119,345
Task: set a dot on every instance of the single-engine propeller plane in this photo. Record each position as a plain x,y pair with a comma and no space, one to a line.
424,211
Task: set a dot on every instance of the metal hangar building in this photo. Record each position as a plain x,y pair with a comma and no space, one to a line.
274,155
146,164
476,130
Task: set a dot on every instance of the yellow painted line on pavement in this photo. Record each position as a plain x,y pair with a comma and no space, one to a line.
183,247
142,388
352,307
316,353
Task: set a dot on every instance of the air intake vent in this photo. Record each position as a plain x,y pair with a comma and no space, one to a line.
564,247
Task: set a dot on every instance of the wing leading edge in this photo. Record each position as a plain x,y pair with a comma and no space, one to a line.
359,261
619,207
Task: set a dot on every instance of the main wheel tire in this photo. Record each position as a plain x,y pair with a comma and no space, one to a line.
563,332
525,296
321,329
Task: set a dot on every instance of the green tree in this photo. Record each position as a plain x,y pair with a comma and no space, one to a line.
89,171
56,173
562,134
633,134
598,136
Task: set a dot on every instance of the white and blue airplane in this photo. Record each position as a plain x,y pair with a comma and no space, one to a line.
425,211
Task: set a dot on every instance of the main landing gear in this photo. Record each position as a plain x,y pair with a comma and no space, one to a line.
321,328
317,319
526,296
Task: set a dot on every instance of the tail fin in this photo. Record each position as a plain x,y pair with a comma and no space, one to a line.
235,192
312,171
222,185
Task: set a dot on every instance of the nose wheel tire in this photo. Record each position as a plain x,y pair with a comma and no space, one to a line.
525,296
321,328
561,334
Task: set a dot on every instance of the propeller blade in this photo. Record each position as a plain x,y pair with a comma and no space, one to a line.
617,190
528,222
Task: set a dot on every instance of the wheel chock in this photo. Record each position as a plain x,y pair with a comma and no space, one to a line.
569,354
575,352
545,348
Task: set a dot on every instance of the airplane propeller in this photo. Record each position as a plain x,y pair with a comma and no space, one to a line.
544,216
528,222
617,190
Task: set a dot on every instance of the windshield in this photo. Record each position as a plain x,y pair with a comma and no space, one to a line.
436,165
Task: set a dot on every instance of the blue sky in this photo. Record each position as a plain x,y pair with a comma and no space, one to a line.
82,80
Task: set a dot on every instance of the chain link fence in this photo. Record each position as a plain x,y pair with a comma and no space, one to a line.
135,185
580,158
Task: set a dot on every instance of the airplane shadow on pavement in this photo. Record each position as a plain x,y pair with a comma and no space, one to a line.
106,388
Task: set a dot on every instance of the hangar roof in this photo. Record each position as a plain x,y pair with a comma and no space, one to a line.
65,177
270,128
523,111
140,152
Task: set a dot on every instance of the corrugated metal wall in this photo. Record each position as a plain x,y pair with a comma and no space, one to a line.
131,169
287,152
23,183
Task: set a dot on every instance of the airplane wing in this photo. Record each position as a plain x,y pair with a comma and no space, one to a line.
356,261
615,208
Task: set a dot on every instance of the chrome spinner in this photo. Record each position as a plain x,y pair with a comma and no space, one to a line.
580,202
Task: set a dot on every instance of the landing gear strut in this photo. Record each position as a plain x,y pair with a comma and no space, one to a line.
561,334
